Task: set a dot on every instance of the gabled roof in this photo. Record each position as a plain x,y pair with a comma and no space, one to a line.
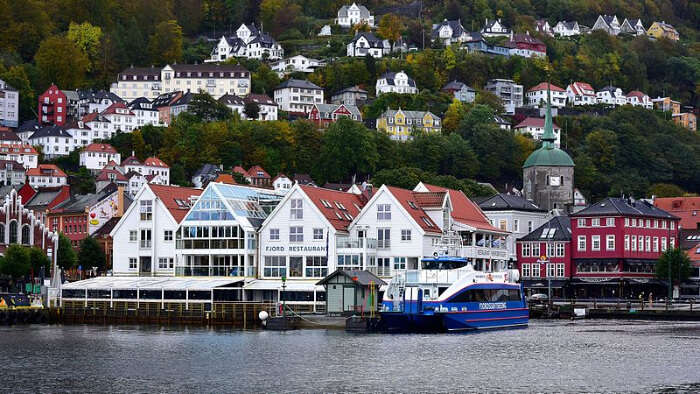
258,172
112,109
9,135
615,206
543,86
526,38
390,76
155,162
207,169
694,254
464,210
637,94
455,25
169,194
94,117
374,41
108,174
131,160
363,278
456,85
326,110
557,228
579,88
534,122
240,170
260,99
101,148
351,89
407,199
78,203
303,179
29,126
686,208
508,202
389,113
51,131
166,99
337,200
46,170
184,99
20,149
231,99
280,176
225,178
298,83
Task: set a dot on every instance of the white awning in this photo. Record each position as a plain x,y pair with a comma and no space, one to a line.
170,283
266,284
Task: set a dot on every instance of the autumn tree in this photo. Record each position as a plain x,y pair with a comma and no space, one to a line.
87,39
390,28
60,61
165,44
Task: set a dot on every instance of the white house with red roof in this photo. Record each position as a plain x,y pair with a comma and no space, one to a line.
144,238
121,117
24,154
109,175
96,156
580,93
46,175
282,183
154,169
637,98
535,127
99,124
537,95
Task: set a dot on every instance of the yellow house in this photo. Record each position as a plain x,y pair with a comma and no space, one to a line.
401,124
663,29
687,120
667,105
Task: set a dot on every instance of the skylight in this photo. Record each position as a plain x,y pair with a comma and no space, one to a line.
427,221
338,216
412,205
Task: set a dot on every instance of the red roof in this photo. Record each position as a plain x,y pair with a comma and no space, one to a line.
112,109
579,87
24,149
170,195
155,162
339,203
240,170
637,94
258,172
465,210
408,197
225,178
280,175
90,117
543,86
131,160
102,148
104,175
686,208
46,170
534,122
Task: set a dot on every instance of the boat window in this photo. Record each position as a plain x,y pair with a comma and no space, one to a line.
441,290
426,293
487,295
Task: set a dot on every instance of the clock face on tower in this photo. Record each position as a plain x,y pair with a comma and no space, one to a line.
554,181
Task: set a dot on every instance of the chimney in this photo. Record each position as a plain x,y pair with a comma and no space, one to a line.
120,200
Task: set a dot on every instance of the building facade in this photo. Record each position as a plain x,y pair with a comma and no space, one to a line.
96,156
399,82
402,125
324,115
46,175
580,93
537,95
53,107
354,14
9,105
510,93
298,96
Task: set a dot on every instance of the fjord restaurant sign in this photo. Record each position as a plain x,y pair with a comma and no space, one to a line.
295,248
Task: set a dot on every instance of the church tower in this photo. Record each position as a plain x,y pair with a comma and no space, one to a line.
548,174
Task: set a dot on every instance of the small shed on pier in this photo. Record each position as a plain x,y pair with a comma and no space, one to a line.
351,291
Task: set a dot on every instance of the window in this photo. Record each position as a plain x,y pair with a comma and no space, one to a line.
582,222
163,263
274,234
551,249
627,242
560,250
145,238
648,223
610,222
595,242
634,243
168,235
673,225
146,209
132,263
663,244
383,238
405,235
656,244
318,233
503,224
526,270
535,270
634,222
297,209
516,225
296,234
350,262
627,222
536,249
560,270
296,266
525,249
383,212
672,242
640,244
648,243
316,266
551,270
581,243
399,263
275,266
595,222
610,242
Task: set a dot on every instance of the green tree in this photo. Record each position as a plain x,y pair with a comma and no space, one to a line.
16,263
66,254
666,190
17,77
165,44
39,259
347,149
207,109
91,254
59,61
674,264
84,182
88,39
251,110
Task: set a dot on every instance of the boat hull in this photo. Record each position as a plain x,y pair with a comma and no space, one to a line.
453,321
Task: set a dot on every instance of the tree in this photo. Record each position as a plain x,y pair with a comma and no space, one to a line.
390,28
66,255
38,260
91,254
17,77
675,260
59,61
87,38
84,182
666,190
207,109
251,110
16,263
347,149
165,44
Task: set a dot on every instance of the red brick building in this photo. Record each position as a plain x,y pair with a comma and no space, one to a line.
615,245
53,106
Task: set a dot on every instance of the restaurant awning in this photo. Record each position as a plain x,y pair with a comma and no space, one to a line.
277,285
595,281
152,283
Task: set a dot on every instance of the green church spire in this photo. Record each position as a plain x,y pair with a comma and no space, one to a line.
548,137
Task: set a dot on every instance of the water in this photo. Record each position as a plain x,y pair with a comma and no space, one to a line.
548,356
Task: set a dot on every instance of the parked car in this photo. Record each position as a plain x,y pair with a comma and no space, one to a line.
539,297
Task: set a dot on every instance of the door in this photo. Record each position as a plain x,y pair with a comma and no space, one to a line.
349,299
145,265
335,299
361,237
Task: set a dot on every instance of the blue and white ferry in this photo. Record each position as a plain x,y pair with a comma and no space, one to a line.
447,294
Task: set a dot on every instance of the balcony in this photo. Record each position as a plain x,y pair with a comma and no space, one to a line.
481,252
382,272
346,243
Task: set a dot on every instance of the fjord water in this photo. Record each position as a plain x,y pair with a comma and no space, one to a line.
560,356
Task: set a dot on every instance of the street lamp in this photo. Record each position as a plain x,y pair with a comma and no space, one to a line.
543,263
